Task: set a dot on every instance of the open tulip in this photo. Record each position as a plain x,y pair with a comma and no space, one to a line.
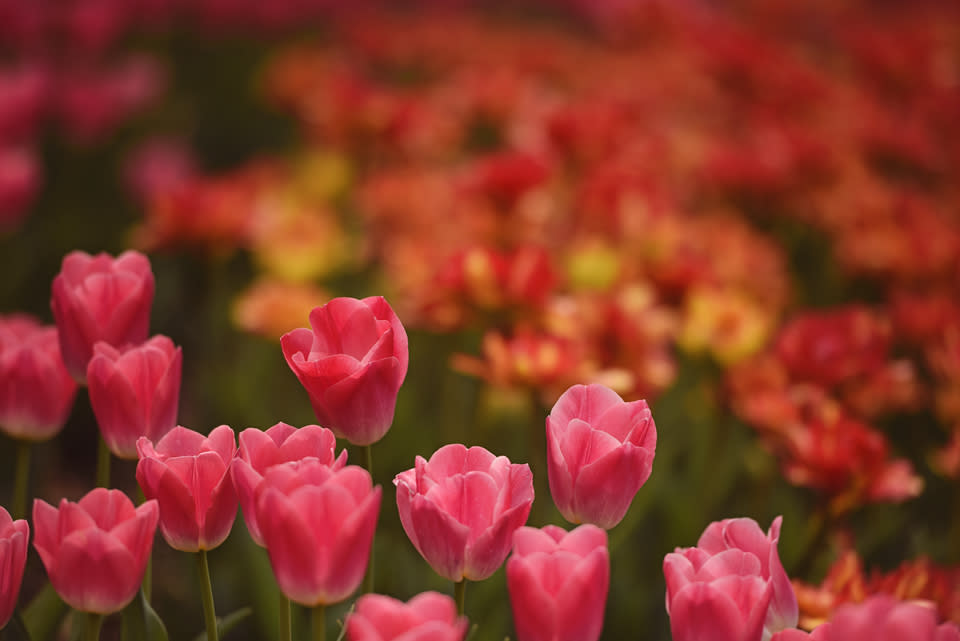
189,475
135,392
429,616
461,507
36,392
96,550
260,450
100,298
352,364
558,583
318,526
14,536
599,453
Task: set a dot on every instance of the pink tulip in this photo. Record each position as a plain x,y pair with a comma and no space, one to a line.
318,526
429,616
260,450
36,392
352,364
599,453
20,177
558,583
95,551
189,475
135,393
461,507
99,298
14,536
820,633
880,618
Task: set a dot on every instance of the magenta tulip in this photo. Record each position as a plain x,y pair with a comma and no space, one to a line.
14,536
429,616
317,524
558,583
352,364
461,507
96,550
260,450
36,392
599,453
189,476
100,298
135,393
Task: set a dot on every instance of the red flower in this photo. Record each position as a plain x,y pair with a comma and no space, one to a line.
14,537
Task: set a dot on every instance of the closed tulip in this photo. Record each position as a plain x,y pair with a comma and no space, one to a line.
14,536
317,524
36,391
352,364
96,550
820,633
429,616
189,476
135,392
100,298
461,507
558,583
260,450
599,453
883,618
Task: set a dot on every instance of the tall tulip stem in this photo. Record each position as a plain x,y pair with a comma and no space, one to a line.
460,595
206,592
368,577
103,464
285,630
92,623
21,486
320,623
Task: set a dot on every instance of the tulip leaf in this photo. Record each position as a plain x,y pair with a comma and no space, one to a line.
141,622
42,616
16,629
227,623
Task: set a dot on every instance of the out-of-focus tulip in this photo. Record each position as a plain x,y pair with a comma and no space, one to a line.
100,298
14,536
96,550
189,475
820,633
36,392
20,175
429,616
318,527
883,617
461,507
599,453
352,364
158,166
558,583
260,450
135,393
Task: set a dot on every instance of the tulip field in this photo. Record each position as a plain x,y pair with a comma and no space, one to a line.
448,320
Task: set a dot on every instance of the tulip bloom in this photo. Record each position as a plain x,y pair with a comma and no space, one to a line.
36,391
14,536
96,550
99,298
461,507
558,583
135,393
260,450
882,617
352,364
189,475
429,616
599,453
318,526
820,633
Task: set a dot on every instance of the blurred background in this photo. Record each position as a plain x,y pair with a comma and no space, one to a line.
745,212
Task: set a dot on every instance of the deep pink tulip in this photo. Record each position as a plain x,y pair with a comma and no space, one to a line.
883,618
352,364
100,298
429,616
189,475
20,178
95,550
461,507
599,453
135,392
14,536
318,526
36,392
820,633
260,450
558,583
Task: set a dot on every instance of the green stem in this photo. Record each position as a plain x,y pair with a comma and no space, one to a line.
21,487
147,584
206,593
91,626
103,464
368,577
320,623
460,595
285,633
